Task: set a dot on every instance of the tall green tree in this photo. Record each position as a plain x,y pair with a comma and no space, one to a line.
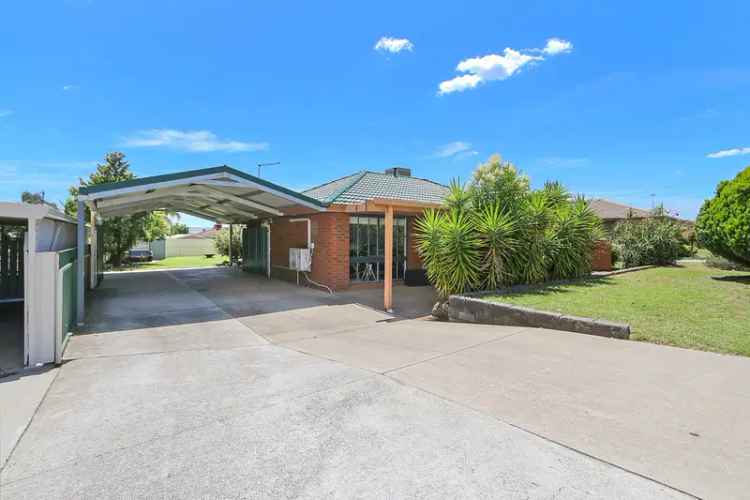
120,233
33,198
723,224
179,228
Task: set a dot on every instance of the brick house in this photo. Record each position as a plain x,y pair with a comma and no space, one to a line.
348,239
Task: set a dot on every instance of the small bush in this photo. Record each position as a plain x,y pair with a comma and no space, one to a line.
222,241
642,242
724,264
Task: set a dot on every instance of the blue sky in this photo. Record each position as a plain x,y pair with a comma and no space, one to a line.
628,99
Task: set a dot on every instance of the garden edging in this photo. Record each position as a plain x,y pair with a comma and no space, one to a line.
475,310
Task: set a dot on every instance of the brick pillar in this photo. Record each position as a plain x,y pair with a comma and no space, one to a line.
601,259
330,264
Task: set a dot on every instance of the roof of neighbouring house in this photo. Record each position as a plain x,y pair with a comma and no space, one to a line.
366,185
606,209
202,235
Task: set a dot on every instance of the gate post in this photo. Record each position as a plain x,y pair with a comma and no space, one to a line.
81,264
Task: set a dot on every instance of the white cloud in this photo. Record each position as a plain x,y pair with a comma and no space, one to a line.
394,45
499,66
723,153
459,84
557,46
197,141
67,88
5,112
454,149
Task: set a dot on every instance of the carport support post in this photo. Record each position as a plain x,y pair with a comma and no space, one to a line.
230,246
388,272
81,264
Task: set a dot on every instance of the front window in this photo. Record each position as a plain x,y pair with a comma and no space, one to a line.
367,244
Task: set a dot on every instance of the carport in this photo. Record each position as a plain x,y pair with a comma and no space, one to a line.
221,194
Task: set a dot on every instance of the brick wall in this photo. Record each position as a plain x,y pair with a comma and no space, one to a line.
601,259
330,233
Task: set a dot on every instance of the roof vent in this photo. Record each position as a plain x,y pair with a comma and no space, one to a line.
398,171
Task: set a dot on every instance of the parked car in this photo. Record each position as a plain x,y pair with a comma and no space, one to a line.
140,256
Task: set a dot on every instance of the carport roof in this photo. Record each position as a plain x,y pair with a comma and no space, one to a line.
222,193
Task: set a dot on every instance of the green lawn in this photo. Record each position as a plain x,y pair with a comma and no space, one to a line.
176,262
688,306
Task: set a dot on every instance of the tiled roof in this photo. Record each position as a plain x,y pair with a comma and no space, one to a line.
606,209
203,235
366,185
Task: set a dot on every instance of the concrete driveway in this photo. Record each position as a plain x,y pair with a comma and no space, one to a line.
218,384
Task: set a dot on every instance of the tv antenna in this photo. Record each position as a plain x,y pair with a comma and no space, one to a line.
269,164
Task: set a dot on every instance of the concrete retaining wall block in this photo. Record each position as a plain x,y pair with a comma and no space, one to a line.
474,310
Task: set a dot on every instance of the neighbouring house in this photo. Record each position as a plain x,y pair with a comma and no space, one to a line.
185,245
611,213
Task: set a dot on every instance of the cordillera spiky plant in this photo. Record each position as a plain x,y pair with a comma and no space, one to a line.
497,231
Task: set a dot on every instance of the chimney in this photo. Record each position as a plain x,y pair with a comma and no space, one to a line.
398,171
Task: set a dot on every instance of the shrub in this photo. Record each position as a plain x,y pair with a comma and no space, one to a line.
724,264
641,242
723,224
497,232
222,241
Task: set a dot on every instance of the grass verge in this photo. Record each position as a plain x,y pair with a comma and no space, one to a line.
690,306
176,262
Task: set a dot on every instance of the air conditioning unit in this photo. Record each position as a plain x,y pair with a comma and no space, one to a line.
299,259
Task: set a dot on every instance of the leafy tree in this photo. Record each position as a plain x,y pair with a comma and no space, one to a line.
33,198
179,228
120,233
222,241
499,232
723,224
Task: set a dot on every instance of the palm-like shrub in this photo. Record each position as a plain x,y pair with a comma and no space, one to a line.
498,232
575,228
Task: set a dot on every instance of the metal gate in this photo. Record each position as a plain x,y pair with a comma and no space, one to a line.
255,249
11,262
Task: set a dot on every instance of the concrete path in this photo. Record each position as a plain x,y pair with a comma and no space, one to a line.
20,395
197,384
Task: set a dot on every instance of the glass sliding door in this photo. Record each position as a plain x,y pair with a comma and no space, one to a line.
367,247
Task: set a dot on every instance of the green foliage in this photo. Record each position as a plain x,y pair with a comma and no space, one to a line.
498,232
222,241
656,240
33,198
120,233
498,181
574,230
717,262
723,224
179,228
